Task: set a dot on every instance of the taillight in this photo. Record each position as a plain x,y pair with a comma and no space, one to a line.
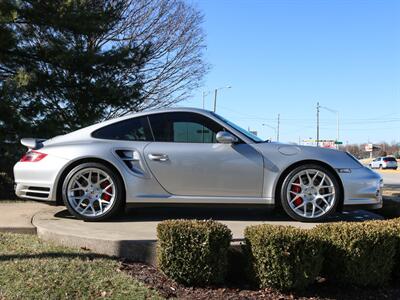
33,156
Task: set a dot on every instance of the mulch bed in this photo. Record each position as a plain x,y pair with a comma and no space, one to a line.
167,288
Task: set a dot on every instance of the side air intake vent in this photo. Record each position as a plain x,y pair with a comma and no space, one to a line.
132,160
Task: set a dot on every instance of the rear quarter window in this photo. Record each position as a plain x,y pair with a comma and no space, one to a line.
135,129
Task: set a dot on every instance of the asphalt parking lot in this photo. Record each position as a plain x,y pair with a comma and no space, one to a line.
390,177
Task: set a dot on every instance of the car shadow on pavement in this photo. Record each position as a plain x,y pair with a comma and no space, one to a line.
158,214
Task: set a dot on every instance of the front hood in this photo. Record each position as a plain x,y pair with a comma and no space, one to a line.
294,153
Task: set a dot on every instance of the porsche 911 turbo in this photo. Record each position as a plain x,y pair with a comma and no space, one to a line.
189,156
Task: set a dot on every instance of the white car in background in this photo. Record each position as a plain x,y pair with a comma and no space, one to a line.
384,162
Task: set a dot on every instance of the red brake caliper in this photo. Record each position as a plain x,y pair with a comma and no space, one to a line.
297,189
103,185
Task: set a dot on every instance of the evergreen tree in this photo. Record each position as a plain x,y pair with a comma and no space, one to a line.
55,74
66,64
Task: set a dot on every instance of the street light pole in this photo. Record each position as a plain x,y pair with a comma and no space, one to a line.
279,122
318,124
337,126
215,99
274,128
216,93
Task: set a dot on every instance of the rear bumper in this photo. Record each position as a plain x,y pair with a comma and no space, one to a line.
37,180
34,191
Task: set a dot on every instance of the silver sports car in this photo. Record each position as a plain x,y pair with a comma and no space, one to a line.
191,156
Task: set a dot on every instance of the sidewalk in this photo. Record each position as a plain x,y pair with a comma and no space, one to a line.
16,217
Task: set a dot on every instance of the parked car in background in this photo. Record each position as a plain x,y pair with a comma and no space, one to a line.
385,162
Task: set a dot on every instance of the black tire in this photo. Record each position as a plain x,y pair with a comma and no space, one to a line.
285,202
116,206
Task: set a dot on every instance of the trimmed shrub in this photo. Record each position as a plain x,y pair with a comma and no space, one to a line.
394,226
358,253
283,257
193,252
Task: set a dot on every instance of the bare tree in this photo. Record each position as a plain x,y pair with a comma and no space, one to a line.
172,31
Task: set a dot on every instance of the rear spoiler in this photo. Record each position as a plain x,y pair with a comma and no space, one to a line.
32,143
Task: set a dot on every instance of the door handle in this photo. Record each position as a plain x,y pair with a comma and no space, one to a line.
158,157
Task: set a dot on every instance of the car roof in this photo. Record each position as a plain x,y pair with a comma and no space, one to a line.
86,131
154,111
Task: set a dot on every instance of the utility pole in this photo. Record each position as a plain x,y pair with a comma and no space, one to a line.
318,124
337,121
279,122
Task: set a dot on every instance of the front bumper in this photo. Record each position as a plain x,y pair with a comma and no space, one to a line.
362,188
37,180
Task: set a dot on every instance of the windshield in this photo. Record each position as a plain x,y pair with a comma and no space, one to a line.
248,134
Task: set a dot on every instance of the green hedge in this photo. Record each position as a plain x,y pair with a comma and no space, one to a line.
193,252
358,253
394,226
283,257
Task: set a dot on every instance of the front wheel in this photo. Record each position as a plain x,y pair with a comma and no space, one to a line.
310,193
92,192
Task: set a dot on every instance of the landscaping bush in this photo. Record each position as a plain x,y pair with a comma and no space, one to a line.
358,253
394,225
193,252
283,257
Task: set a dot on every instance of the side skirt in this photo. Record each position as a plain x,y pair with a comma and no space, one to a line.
162,199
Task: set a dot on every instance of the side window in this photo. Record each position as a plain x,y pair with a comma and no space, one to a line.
135,129
183,127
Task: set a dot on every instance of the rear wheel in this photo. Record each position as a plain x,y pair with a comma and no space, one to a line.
310,193
92,192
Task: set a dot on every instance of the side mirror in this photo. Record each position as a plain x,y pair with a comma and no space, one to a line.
225,137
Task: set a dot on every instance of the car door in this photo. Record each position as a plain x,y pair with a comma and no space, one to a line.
187,160
379,162
374,163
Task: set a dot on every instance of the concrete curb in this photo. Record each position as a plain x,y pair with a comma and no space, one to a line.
142,251
48,228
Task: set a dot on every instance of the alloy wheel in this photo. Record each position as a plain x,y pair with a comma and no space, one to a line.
311,193
91,192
